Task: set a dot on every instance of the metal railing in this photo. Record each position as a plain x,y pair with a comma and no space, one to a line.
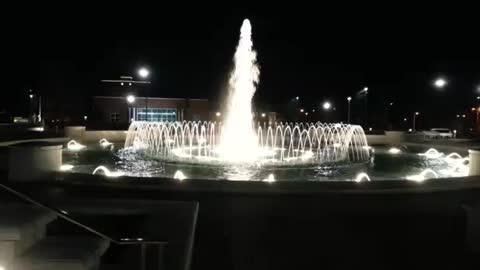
144,244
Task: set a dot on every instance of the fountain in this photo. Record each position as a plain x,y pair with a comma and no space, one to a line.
237,140
75,146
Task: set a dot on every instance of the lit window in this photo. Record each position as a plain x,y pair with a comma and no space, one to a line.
157,115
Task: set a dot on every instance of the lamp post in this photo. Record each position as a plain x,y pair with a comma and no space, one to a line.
348,110
143,73
326,107
131,114
414,118
440,83
365,90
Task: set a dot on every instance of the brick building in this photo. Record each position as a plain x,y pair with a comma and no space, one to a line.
117,111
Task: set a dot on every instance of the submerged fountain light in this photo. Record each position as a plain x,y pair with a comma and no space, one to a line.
270,178
74,146
107,172
66,167
105,143
424,175
179,175
431,153
394,150
362,177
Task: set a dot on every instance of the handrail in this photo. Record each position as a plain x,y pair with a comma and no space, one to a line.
127,241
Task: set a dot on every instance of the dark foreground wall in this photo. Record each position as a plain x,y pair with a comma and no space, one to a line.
305,225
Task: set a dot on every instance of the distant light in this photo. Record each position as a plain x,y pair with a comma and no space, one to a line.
130,99
64,212
121,84
417,113
369,129
440,83
297,97
130,84
133,119
473,109
365,89
349,98
454,131
313,110
409,130
85,117
391,103
143,72
327,105
302,110
306,113
404,119
31,95
478,97
463,115
218,114
458,115
263,115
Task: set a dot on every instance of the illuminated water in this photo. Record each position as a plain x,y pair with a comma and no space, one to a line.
382,166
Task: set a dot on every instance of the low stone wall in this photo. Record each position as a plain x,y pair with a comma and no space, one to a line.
111,135
374,139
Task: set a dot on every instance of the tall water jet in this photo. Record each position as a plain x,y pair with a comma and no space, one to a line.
239,141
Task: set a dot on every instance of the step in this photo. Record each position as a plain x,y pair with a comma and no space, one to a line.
64,253
21,226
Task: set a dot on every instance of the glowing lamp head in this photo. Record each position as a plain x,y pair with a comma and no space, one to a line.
218,114
404,119
417,113
263,115
327,105
30,96
349,98
130,99
302,110
85,117
440,83
365,89
297,97
143,72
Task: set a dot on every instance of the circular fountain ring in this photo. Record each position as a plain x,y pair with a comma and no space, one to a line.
277,145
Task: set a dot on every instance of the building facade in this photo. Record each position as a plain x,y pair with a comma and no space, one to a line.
118,111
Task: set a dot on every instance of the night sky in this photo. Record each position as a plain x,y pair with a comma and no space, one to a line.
315,53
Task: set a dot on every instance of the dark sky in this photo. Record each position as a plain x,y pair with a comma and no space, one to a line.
317,53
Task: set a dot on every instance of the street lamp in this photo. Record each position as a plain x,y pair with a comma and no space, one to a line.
440,83
327,105
414,117
30,96
218,114
348,111
130,101
143,73
365,90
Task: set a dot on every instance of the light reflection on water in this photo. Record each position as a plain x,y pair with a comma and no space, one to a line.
382,166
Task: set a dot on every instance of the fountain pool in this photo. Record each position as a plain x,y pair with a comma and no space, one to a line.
381,165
